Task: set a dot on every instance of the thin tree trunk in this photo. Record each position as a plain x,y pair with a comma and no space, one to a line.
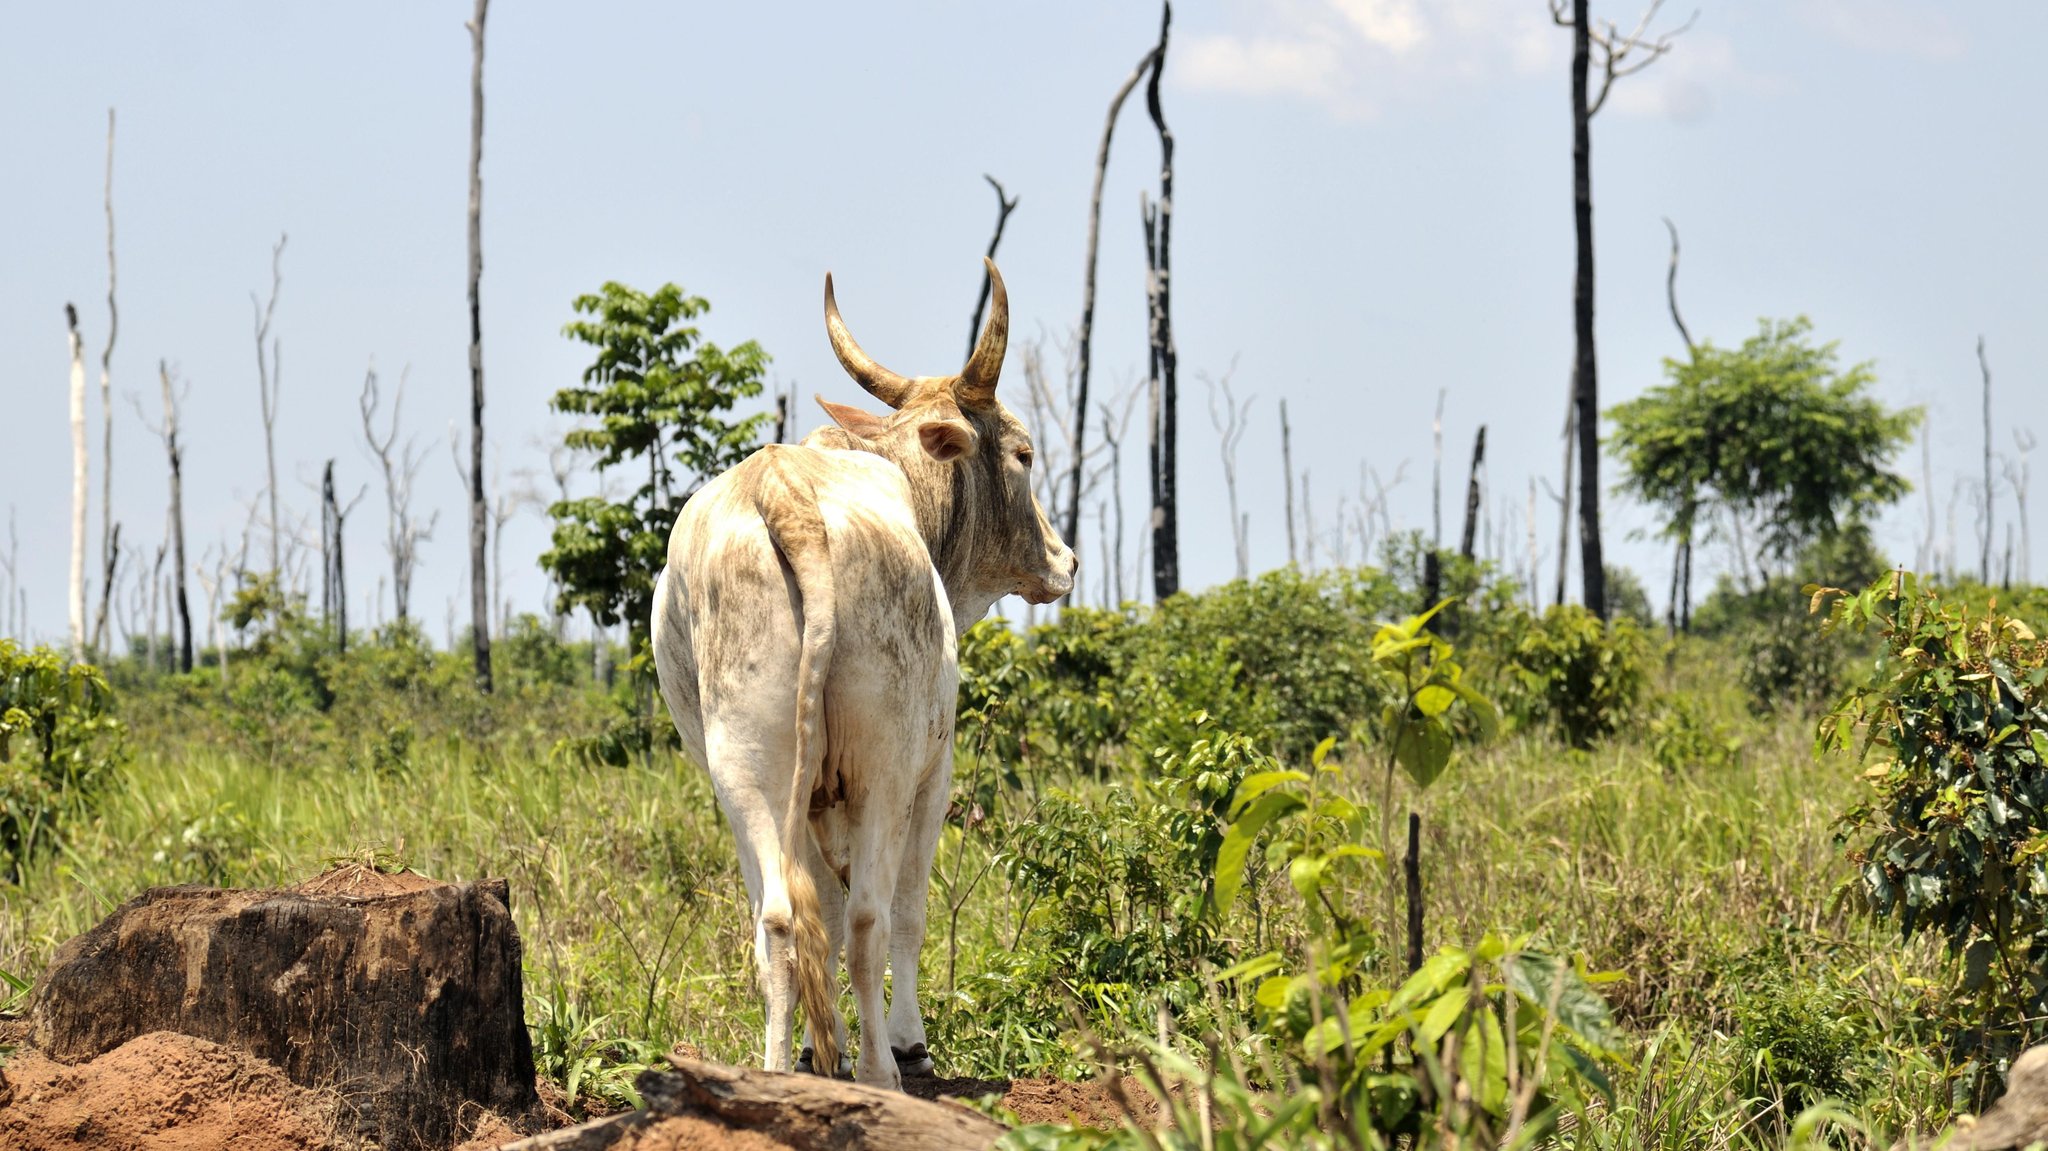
1086,340
1411,865
1287,474
1165,361
1472,492
1564,498
1586,383
177,518
269,380
1984,561
1433,563
107,549
79,487
1535,556
781,418
479,586
1004,206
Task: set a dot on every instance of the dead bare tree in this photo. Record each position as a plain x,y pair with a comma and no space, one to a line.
401,465
1432,563
8,563
1114,421
2017,473
1231,422
1535,556
333,561
174,528
109,534
1004,206
1620,55
1165,386
1473,491
75,590
1990,489
479,588
1077,446
1287,478
1564,497
1679,614
213,580
269,378
1929,549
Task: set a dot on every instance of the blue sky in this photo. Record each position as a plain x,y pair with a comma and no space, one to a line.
1374,204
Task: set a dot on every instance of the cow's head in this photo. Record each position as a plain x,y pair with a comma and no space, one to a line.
968,459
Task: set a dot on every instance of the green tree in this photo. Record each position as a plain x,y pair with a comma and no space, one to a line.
1771,445
658,394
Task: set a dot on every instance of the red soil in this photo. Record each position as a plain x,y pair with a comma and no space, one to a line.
160,1092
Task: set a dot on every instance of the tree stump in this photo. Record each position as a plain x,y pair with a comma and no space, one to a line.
765,1109
400,995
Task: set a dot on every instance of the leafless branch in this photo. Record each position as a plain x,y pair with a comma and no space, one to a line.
1004,206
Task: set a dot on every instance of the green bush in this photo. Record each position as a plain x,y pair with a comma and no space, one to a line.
1786,664
1684,738
1953,837
1575,675
59,743
1798,1042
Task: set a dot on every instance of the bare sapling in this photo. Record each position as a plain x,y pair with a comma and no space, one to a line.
1005,204
1231,418
75,589
1077,444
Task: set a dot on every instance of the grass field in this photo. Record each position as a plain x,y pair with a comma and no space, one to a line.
1694,858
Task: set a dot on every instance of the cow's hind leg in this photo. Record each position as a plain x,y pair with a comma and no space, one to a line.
907,918
879,846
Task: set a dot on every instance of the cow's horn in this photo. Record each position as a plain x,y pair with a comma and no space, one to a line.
978,378
880,382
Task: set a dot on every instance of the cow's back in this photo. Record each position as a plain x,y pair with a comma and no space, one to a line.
729,614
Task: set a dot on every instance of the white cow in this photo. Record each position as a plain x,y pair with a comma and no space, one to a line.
805,632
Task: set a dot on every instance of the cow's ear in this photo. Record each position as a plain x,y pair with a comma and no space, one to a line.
866,425
946,438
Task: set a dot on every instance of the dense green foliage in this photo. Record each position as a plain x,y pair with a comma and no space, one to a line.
1579,676
1954,836
58,746
1772,443
657,396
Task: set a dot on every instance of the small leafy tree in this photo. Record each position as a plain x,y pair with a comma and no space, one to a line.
1953,837
1771,444
658,395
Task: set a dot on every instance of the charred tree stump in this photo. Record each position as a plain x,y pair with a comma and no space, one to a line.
802,1112
400,994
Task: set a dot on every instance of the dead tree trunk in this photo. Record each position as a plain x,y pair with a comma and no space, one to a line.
177,460
1472,493
1984,561
1585,374
268,381
1287,477
1432,563
1231,421
108,533
75,591
1564,496
479,513
1004,206
1615,51
1680,613
1071,521
1165,360
401,464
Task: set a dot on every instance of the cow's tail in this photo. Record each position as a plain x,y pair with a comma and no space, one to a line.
789,508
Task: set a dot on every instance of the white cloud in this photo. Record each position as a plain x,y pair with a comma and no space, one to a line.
1886,27
1355,56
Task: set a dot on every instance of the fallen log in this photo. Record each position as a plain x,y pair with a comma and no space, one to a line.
800,1112
398,994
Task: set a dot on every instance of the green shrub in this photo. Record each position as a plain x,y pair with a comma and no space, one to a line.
59,744
1954,835
1798,1043
1575,675
1786,665
1684,738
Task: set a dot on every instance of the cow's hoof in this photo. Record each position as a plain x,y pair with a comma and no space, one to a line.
915,1061
807,1057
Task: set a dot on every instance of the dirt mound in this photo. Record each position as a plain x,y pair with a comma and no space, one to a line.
1089,1104
361,879
160,1092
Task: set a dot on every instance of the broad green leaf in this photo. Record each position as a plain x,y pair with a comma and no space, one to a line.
1536,977
1423,749
1237,842
1258,783
1252,968
1434,699
1436,973
1443,1013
